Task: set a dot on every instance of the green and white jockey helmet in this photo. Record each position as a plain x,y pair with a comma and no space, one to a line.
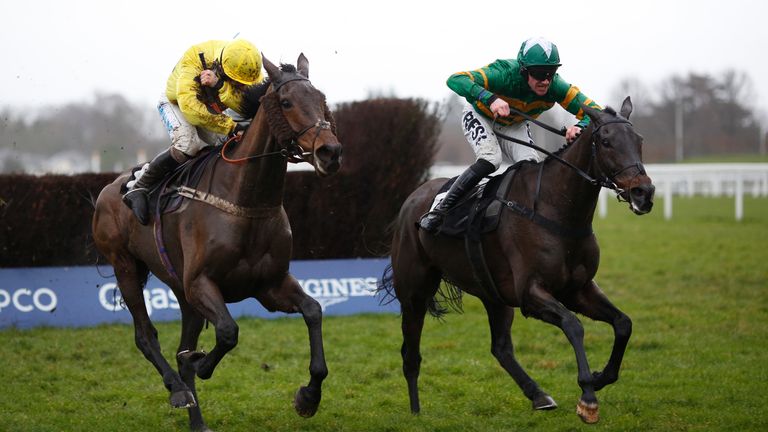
538,51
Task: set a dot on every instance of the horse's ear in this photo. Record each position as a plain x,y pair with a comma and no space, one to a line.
302,64
272,70
593,114
626,108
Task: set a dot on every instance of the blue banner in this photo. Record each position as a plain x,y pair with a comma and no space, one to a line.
88,296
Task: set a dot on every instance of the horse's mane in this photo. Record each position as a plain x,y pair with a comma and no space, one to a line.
607,110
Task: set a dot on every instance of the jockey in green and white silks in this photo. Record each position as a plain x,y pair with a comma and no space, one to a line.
529,84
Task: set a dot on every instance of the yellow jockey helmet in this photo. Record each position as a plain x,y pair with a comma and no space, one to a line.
241,61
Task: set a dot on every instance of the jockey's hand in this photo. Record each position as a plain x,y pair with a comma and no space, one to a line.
572,133
500,107
238,131
208,78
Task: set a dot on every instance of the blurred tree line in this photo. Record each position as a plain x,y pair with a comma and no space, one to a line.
110,131
697,115
683,117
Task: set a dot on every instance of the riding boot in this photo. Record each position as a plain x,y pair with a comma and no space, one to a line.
137,199
432,221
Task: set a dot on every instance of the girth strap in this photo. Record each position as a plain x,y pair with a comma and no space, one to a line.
226,206
549,224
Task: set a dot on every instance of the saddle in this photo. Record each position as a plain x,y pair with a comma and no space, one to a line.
480,210
165,197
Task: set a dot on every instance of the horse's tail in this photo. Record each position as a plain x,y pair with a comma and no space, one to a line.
451,295
386,286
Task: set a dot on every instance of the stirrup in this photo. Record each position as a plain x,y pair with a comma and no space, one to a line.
432,221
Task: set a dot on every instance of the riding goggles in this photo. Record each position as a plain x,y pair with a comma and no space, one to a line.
542,73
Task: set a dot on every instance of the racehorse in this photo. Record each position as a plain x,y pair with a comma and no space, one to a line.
234,245
544,264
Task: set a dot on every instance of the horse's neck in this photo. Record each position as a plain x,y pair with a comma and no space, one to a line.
257,182
569,194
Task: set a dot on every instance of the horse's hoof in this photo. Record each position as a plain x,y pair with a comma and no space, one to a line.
183,399
544,402
588,412
306,401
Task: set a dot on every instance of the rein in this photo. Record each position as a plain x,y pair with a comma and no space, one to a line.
292,151
607,181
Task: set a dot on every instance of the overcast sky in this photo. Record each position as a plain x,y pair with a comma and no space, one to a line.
62,51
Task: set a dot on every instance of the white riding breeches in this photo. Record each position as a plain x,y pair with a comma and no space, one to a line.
478,131
185,137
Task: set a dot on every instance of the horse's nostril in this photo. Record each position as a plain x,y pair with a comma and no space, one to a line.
329,152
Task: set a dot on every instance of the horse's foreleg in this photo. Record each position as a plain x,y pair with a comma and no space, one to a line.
146,336
288,297
593,303
191,326
207,300
500,320
308,397
540,304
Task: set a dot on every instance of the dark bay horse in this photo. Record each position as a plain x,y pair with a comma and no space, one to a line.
233,247
545,273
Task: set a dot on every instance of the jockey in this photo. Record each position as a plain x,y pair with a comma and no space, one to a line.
201,97
531,85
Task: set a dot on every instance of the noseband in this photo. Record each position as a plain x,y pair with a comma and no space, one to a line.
295,152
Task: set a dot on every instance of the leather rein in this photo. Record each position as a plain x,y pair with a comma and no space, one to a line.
604,180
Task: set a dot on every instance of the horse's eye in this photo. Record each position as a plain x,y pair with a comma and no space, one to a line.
605,142
285,103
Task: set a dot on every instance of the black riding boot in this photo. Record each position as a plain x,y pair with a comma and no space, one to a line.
432,221
137,199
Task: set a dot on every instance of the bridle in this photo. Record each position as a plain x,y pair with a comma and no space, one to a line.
609,180
292,151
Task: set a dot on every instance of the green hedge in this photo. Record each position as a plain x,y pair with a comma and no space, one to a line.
389,145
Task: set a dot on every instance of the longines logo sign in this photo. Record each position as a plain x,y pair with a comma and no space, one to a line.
84,296
331,291
327,292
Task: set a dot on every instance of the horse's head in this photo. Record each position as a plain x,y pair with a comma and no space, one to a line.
310,124
617,149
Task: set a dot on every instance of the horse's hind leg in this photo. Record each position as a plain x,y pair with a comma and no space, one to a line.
500,320
414,292
191,326
290,298
591,302
131,277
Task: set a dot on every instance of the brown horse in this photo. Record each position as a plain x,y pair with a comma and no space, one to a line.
544,268
229,248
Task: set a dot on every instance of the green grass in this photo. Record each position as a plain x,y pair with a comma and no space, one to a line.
695,287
